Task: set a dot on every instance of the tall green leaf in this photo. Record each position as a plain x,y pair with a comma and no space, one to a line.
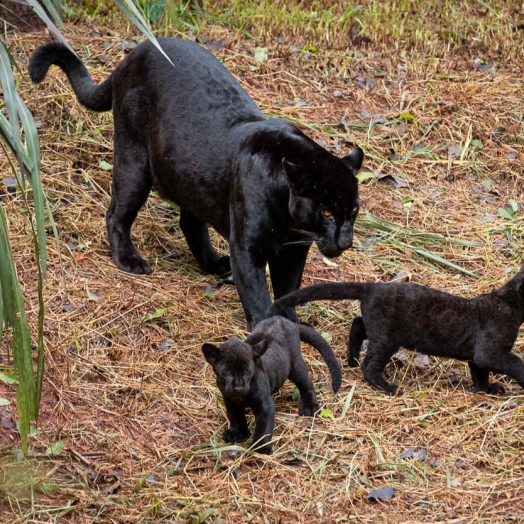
19,134
132,12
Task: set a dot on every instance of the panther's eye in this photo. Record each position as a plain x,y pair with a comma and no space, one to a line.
355,210
327,213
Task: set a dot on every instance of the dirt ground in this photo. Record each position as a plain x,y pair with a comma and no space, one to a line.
127,392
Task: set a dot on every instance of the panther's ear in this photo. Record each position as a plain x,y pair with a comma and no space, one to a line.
354,159
259,349
211,352
297,177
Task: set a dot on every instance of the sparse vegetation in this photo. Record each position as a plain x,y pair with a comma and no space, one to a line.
130,422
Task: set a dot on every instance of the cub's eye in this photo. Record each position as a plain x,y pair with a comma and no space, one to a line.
327,213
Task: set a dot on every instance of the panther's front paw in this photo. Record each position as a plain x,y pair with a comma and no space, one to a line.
221,266
235,435
132,264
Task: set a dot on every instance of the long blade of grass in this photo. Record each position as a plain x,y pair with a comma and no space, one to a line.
39,10
406,237
132,12
22,357
25,147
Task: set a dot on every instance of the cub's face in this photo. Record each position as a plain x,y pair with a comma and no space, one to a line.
324,200
233,365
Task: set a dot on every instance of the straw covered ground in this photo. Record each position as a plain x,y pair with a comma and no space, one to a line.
433,92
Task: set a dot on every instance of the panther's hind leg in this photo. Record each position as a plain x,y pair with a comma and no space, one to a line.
197,238
131,184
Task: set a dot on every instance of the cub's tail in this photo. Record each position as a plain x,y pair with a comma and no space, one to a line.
315,339
336,291
93,96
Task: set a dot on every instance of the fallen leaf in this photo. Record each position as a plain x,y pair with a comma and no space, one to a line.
329,262
166,344
454,151
366,83
407,454
384,493
402,276
260,54
421,361
208,291
215,44
10,184
378,119
6,420
106,166
390,179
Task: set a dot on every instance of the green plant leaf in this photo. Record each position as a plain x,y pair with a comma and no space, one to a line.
326,413
131,11
151,316
477,143
506,213
8,377
4,402
260,54
56,448
407,116
106,166
513,204
365,175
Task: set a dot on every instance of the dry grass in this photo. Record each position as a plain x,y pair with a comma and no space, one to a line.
132,397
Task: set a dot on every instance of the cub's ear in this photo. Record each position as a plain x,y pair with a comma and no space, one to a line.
297,177
211,352
259,349
354,159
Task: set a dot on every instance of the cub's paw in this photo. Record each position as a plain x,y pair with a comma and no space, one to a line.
390,389
132,264
492,389
235,435
353,362
264,450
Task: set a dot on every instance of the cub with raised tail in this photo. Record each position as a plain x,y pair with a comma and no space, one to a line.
249,372
190,130
479,330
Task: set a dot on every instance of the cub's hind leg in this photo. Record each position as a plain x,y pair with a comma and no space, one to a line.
357,335
481,380
131,184
299,375
197,238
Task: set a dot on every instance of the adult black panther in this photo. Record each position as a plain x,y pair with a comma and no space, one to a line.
190,130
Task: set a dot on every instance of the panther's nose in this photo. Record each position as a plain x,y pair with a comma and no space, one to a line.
345,239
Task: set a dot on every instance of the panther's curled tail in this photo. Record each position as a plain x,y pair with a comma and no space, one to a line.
93,96
315,339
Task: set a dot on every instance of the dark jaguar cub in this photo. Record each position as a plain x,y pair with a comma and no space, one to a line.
249,372
189,129
479,330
